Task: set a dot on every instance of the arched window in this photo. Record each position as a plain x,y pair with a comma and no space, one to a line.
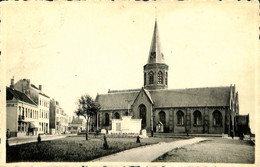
144,78
166,78
160,77
197,117
162,117
180,118
142,111
151,77
117,115
106,119
217,118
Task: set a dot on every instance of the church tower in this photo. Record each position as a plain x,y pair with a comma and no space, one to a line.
155,71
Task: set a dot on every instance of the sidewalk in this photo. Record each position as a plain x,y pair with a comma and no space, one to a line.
31,139
147,153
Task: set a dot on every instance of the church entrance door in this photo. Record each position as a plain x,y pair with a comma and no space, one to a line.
142,111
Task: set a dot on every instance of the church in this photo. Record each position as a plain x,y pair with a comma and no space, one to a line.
209,110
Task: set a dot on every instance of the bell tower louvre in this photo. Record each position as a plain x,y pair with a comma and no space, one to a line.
155,71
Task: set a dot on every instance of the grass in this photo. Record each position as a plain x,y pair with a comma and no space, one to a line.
215,150
74,149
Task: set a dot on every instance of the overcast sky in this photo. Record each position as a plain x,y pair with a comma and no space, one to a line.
75,48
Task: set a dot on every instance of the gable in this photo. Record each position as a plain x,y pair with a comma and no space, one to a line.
142,96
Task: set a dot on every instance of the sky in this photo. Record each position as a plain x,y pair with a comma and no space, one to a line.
75,48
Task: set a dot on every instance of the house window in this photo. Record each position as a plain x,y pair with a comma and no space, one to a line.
180,118
26,112
20,110
151,77
160,77
217,118
166,78
106,119
117,115
197,117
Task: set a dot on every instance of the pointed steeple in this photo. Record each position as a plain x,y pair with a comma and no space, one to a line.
155,54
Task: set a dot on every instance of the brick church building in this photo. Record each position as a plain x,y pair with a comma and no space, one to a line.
209,110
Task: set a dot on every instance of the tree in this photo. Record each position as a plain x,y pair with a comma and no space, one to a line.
87,107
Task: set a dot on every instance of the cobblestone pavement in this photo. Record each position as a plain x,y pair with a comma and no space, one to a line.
147,153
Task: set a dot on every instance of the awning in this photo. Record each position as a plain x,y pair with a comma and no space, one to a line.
32,126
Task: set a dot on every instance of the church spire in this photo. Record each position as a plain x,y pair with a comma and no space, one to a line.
156,71
155,54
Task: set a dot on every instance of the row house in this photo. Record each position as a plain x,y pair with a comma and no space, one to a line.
22,113
37,118
58,118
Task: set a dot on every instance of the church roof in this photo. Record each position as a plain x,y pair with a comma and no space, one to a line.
119,100
155,53
193,97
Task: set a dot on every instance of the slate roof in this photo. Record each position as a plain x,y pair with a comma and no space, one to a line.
119,100
44,95
12,93
155,48
193,97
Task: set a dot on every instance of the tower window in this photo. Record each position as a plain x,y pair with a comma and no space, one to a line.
151,77
160,77
145,78
166,78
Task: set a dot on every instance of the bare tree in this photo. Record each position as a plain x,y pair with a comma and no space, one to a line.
87,107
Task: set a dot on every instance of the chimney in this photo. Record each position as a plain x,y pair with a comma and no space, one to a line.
40,87
12,83
28,83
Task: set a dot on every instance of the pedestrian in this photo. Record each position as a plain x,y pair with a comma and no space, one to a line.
138,139
39,138
232,134
105,145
